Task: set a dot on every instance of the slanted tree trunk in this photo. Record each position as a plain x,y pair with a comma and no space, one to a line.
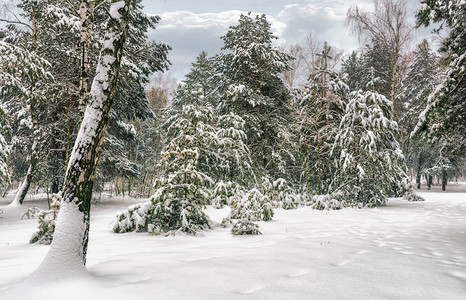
24,187
67,254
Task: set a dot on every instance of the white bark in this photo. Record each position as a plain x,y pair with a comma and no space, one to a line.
67,254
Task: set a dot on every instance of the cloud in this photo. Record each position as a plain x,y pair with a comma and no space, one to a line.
324,19
189,33
213,20
190,27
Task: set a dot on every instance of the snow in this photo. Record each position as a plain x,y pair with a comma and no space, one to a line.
114,8
406,250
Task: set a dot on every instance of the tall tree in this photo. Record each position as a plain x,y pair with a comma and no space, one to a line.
318,116
368,158
253,89
22,75
444,117
69,246
4,149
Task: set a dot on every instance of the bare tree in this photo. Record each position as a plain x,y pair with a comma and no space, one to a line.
388,24
293,76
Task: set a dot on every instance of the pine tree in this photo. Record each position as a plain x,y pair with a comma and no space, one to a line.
22,76
444,119
199,84
226,157
182,190
420,81
368,158
252,88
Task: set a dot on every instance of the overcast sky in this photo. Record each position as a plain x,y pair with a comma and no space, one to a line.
191,26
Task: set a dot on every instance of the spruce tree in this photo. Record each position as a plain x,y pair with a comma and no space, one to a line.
368,158
182,189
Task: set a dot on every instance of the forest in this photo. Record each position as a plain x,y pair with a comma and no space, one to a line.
88,112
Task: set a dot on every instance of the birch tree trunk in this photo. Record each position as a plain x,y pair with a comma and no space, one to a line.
24,187
86,13
67,254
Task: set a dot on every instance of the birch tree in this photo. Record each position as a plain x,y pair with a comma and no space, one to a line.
388,25
67,253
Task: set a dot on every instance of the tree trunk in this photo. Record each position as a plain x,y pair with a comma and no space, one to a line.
6,190
55,186
24,187
444,179
86,12
444,172
418,179
67,254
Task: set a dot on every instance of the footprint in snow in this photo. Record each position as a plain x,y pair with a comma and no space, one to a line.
458,274
252,290
299,273
345,262
396,248
381,243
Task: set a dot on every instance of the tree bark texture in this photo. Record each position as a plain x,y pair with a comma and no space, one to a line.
67,253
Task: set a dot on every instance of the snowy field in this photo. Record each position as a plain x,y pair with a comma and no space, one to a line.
401,251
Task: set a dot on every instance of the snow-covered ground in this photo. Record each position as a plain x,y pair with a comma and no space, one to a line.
406,250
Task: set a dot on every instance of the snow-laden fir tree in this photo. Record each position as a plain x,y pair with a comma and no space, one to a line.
235,163
422,77
226,157
252,205
245,226
199,85
444,119
22,77
4,149
369,160
253,89
183,190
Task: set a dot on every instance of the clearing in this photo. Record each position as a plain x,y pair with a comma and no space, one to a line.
406,250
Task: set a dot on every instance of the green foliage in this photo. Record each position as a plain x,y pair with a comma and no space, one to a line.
47,221
253,89
369,160
251,205
245,227
4,149
444,117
